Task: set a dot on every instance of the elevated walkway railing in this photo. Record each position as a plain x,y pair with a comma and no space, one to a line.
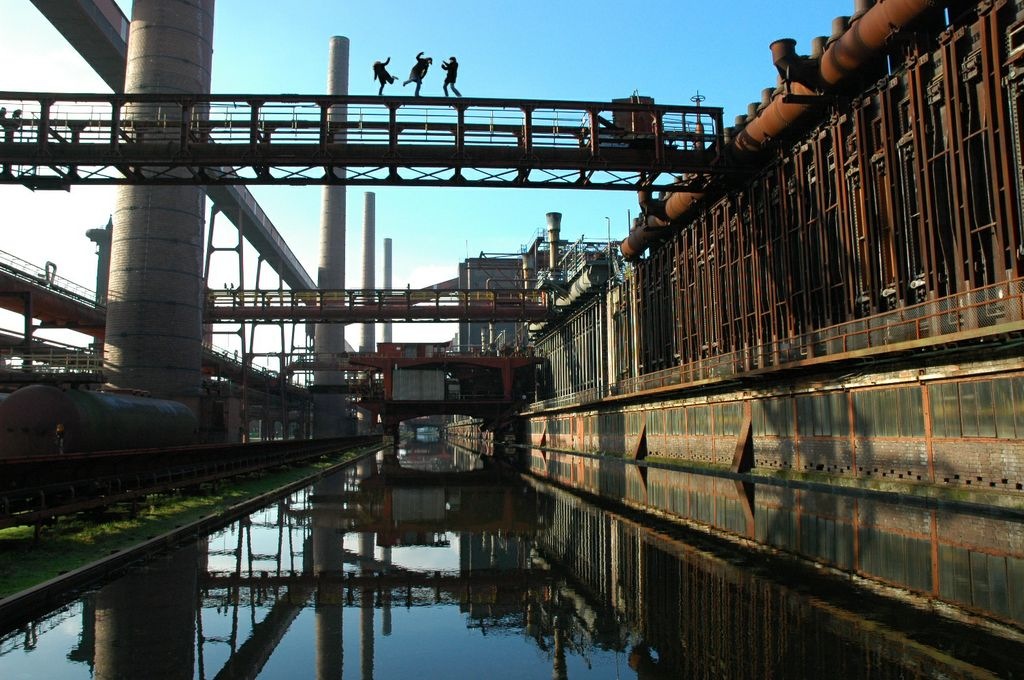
962,318
345,306
62,139
47,277
52,361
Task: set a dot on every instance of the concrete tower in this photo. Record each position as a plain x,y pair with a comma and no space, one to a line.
154,302
368,340
330,411
387,284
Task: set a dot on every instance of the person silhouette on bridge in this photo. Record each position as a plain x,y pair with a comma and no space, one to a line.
452,67
380,72
418,71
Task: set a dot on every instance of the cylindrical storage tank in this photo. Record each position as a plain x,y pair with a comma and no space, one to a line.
93,421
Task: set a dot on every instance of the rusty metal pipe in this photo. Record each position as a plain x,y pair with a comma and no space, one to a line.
857,45
866,36
657,214
853,44
773,119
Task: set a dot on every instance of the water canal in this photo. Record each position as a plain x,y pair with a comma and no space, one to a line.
423,573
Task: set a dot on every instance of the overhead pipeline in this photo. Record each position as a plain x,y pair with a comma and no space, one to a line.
859,43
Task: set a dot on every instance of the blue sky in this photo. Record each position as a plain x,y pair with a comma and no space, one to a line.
568,50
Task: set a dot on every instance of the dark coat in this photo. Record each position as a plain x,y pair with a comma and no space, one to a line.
453,70
420,69
380,71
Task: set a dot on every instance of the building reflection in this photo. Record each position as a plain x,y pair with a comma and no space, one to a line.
570,577
145,621
969,560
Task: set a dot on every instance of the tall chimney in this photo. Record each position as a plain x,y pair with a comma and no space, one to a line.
554,228
367,342
330,417
387,284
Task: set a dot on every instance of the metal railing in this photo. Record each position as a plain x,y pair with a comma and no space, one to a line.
964,316
47,277
293,139
353,305
50,362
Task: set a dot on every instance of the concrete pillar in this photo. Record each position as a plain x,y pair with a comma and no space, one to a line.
388,283
330,411
154,302
368,341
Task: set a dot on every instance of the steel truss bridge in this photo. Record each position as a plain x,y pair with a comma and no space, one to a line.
367,306
52,140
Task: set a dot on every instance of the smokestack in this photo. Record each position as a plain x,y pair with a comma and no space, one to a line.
554,228
101,237
330,417
368,341
387,284
527,271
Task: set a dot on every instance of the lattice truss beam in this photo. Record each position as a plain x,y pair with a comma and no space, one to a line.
57,140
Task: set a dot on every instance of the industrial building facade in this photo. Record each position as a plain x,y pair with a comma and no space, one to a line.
855,305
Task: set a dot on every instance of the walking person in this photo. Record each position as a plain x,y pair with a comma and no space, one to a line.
452,67
419,71
380,72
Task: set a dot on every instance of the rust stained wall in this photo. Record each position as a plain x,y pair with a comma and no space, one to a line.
905,192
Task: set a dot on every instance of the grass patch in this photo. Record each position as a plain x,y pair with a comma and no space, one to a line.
76,540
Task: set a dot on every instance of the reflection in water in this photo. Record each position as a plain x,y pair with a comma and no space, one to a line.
419,570
974,561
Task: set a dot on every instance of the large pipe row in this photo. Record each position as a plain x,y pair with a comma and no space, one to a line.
867,34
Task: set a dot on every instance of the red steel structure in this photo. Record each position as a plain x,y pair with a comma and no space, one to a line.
908,194
855,306
349,306
418,379
161,139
